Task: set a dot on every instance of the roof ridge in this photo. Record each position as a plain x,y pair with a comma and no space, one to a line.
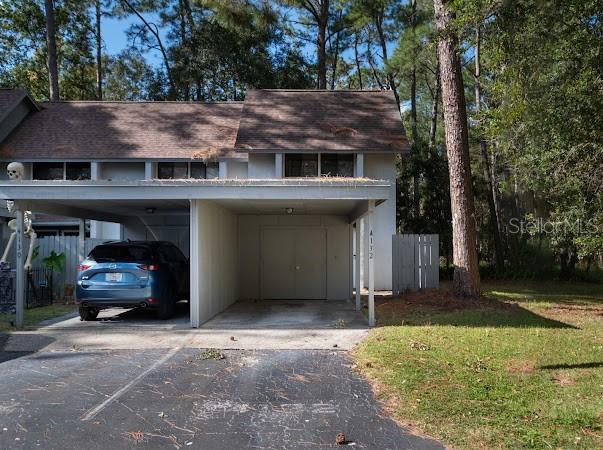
155,102
329,91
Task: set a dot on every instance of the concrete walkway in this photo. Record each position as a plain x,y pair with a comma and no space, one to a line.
245,325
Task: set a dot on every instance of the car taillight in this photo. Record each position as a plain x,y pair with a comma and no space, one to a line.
148,266
83,267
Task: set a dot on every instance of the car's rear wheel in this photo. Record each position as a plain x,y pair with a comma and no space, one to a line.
166,308
87,313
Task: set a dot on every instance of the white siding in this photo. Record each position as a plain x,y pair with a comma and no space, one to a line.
236,169
104,230
338,251
122,171
214,252
261,166
98,229
173,228
382,167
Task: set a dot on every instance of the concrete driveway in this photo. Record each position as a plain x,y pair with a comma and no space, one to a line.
184,398
245,325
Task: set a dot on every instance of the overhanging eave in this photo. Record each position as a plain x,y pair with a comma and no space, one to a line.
285,189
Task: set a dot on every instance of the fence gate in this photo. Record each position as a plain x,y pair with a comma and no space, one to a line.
415,262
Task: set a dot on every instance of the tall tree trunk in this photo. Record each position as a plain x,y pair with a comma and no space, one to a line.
51,44
335,55
99,50
321,54
186,4
466,268
357,59
494,184
434,108
199,84
334,64
186,59
413,75
498,248
371,63
390,76
413,110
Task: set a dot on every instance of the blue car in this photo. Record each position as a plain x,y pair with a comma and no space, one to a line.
129,274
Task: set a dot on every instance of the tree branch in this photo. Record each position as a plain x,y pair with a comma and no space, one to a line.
155,32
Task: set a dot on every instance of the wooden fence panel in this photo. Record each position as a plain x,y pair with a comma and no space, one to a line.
69,246
415,262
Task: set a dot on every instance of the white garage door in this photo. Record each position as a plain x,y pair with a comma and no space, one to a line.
294,263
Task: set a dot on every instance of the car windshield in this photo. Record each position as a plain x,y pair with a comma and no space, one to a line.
120,253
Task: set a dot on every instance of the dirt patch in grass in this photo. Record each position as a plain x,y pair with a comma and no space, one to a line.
440,300
562,379
520,367
575,309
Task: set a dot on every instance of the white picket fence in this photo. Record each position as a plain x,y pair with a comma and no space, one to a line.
69,246
415,262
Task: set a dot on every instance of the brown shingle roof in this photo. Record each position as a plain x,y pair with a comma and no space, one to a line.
115,130
9,98
289,120
268,120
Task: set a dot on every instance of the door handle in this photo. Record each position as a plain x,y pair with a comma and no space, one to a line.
297,267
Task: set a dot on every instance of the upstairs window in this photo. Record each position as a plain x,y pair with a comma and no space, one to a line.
181,170
337,165
198,170
212,170
77,171
61,171
301,165
48,171
326,164
172,170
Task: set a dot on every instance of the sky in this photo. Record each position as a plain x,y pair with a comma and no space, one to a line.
116,40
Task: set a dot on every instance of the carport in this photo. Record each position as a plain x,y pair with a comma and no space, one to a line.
249,239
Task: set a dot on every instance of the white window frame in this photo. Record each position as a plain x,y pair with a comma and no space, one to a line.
64,163
188,167
319,165
284,174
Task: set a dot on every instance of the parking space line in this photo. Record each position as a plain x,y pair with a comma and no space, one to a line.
91,414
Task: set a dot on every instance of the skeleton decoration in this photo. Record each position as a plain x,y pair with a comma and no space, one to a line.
16,172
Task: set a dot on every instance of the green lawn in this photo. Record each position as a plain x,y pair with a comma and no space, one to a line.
524,370
35,315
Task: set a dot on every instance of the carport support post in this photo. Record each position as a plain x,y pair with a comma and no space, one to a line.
194,300
19,271
371,263
81,241
357,265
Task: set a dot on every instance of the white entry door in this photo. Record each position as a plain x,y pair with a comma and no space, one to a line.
294,263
